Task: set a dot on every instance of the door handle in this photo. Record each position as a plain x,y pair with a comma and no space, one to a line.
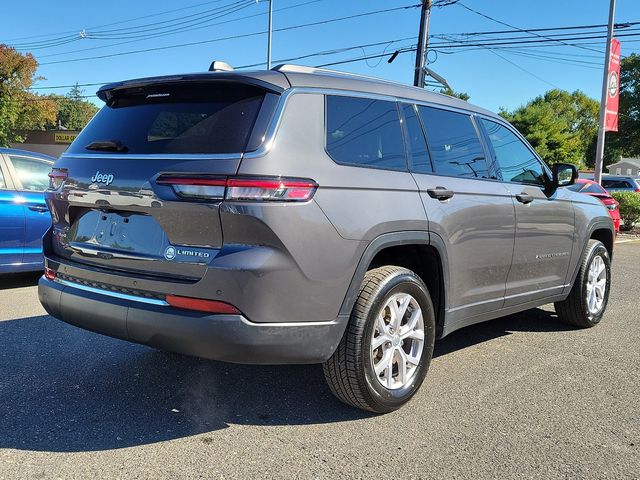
524,198
38,208
440,193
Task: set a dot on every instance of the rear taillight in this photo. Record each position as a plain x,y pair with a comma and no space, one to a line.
262,189
247,189
49,274
193,187
57,176
200,305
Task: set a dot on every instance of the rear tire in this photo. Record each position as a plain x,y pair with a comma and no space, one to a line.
387,347
587,301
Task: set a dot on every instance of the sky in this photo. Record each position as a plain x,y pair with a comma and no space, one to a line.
62,34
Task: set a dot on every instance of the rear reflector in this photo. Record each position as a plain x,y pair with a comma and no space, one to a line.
49,274
209,306
248,189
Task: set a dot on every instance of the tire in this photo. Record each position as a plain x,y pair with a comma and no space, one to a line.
576,309
350,372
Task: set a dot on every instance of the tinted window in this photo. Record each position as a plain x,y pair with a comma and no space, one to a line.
366,132
455,146
576,187
175,118
418,151
2,182
516,161
594,188
616,184
32,173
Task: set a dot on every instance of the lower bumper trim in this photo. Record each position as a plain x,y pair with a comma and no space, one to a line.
230,338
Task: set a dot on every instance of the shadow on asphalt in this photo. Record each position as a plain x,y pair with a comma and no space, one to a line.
18,280
63,389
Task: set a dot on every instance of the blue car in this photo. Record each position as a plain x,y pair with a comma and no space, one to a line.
24,216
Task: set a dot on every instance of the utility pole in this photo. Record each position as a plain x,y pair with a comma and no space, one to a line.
269,34
603,99
423,36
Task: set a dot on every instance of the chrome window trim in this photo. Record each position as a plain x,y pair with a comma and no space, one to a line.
109,293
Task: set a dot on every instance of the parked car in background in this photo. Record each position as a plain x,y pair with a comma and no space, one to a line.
592,188
619,183
24,216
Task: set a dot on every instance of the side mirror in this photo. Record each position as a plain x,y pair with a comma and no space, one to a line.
564,174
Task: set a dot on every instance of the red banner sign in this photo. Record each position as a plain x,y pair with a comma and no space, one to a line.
613,88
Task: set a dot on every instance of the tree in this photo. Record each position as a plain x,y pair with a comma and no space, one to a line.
19,108
74,112
452,93
559,125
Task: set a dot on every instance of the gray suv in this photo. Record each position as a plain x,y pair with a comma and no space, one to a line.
307,216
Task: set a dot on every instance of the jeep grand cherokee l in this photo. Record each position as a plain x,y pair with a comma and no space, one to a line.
307,216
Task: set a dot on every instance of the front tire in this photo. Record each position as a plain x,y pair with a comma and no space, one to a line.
386,350
587,301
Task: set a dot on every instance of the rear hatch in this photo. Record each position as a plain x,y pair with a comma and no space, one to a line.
110,211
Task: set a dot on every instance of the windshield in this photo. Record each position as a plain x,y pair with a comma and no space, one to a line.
174,118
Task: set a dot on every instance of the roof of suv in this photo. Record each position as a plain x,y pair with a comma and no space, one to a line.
284,77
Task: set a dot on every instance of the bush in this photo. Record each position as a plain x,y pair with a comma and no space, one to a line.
629,208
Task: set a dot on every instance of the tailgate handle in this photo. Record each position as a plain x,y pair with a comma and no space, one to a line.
440,193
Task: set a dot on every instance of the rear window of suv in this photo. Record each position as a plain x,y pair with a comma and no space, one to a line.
197,118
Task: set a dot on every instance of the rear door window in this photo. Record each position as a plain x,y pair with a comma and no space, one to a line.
517,162
364,132
418,151
199,118
454,143
32,173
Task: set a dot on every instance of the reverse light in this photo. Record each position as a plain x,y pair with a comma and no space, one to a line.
250,189
49,274
200,305
57,176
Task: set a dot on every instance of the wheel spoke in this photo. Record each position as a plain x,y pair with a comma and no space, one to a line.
414,334
379,341
382,364
402,366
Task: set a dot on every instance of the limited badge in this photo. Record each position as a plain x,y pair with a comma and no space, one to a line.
170,253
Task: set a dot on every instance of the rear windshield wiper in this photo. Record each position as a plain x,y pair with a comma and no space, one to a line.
107,146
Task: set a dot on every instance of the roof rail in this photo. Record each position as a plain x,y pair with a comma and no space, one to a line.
304,69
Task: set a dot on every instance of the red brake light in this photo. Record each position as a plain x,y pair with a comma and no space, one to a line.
241,188
209,306
282,189
49,274
57,176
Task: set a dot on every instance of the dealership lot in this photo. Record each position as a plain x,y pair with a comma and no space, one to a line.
519,397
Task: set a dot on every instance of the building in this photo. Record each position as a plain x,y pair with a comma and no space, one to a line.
48,142
626,166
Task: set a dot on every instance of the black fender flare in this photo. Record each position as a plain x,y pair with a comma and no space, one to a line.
394,239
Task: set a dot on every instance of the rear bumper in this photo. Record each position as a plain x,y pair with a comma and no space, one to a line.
230,338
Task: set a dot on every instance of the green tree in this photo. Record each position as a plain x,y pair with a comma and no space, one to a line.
452,93
559,125
19,108
74,112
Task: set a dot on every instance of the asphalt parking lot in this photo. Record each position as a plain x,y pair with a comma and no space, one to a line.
520,397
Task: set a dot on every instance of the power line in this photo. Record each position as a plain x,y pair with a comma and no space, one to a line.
224,22
514,27
232,37
119,22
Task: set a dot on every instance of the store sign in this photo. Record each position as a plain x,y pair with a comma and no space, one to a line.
65,137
